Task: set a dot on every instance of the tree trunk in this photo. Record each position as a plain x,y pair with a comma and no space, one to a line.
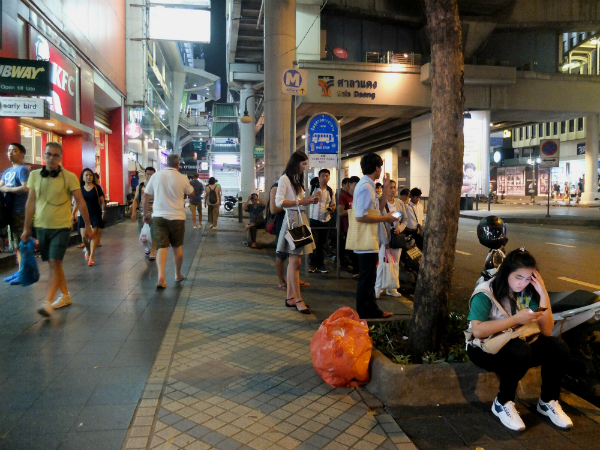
431,300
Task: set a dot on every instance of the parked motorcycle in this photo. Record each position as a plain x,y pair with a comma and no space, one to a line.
230,202
576,315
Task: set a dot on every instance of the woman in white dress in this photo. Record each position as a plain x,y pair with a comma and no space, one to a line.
290,196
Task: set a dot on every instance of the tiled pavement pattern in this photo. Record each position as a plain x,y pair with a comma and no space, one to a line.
234,369
74,381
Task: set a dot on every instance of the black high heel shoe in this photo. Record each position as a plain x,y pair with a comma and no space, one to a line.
287,304
302,311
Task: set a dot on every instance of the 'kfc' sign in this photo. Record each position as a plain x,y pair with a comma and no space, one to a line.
65,90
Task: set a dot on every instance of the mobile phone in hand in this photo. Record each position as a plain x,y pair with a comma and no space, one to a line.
541,309
397,214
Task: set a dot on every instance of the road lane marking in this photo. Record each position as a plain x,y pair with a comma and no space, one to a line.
463,253
593,286
561,245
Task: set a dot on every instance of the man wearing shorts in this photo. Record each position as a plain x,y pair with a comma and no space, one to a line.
196,200
168,188
49,201
13,186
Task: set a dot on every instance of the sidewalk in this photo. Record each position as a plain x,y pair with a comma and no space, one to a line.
234,370
73,381
536,214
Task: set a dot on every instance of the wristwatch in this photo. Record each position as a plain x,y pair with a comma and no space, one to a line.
90,227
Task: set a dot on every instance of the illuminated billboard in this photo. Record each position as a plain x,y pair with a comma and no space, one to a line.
179,24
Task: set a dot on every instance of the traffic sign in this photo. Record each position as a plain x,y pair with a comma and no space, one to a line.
549,152
323,160
322,134
295,81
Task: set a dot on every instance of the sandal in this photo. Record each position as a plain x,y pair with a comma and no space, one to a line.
302,311
282,286
288,305
81,246
304,283
152,258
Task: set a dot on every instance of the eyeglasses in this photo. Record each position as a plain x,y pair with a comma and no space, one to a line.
52,155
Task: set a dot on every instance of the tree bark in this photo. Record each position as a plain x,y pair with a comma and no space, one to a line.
431,301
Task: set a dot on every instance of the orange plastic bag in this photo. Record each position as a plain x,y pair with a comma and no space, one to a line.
341,349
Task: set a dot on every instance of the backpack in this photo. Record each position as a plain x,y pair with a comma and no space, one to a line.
212,196
139,196
270,218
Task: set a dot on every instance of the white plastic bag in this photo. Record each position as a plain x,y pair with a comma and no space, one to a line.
146,236
388,271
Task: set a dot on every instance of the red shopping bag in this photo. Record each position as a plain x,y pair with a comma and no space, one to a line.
341,349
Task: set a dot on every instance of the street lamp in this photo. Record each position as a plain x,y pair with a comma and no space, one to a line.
246,118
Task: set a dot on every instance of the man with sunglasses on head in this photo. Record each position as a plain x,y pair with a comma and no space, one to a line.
13,186
50,191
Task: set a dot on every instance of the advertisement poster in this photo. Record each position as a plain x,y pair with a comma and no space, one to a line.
515,181
472,161
64,76
543,180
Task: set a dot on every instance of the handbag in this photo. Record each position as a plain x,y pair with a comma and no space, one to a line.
396,240
362,236
298,236
494,343
388,272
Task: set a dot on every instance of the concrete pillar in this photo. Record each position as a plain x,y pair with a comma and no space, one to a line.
247,144
280,45
590,190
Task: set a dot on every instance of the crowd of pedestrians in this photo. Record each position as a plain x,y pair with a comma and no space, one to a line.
52,198
369,214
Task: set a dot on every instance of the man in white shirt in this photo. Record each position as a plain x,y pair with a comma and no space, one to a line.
364,200
168,217
320,219
414,213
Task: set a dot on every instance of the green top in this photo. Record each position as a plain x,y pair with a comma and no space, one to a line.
481,306
53,198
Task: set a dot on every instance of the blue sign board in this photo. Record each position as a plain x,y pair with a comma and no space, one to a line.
323,134
581,148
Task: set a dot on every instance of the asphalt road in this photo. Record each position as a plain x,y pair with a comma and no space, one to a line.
568,257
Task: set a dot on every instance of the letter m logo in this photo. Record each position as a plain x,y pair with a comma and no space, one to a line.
292,79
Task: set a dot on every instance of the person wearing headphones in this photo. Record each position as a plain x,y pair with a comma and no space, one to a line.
49,201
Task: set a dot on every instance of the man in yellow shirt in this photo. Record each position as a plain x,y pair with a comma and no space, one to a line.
49,201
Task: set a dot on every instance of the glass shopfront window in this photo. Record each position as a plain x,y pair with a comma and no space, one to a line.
34,141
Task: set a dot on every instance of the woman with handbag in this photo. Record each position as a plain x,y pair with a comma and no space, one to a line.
294,238
517,297
397,239
94,200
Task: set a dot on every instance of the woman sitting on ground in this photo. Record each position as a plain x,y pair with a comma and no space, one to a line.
520,290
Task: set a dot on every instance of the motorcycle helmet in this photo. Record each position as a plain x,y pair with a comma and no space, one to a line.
491,232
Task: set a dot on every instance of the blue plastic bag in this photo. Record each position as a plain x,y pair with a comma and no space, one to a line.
29,272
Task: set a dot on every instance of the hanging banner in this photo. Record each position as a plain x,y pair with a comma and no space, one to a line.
64,98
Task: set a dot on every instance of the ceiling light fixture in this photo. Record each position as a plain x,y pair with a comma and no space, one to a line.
69,131
50,124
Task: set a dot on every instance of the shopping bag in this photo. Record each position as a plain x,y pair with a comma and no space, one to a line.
388,271
146,236
298,236
29,272
341,349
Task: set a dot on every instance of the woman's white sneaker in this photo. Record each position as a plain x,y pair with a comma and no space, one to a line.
508,415
554,411
62,300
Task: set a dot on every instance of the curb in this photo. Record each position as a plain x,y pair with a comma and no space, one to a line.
440,384
536,220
